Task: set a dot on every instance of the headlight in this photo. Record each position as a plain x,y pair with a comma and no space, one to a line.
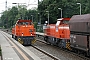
31,33
22,34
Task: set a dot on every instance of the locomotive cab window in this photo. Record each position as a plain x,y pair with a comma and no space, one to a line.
65,21
23,23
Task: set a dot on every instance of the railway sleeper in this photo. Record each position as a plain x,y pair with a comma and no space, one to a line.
81,52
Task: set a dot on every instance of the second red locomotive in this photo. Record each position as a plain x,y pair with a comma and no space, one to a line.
59,33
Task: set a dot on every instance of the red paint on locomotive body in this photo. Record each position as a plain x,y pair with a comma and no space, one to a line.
59,30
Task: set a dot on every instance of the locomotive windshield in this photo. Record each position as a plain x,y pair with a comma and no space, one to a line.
65,21
62,22
24,23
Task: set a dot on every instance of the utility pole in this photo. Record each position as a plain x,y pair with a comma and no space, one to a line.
32,18
80,7
6,14
48,16
38,2
61,11
6,5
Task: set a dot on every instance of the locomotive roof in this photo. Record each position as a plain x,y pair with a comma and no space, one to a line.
63,19
80,18
24,21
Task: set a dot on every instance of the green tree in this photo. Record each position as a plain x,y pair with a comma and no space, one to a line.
69,8
9,17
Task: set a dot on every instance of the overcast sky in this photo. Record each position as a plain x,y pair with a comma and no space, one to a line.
9,3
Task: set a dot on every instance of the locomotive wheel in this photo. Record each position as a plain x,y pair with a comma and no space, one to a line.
59,44
16,38
20,41
12,36
45,39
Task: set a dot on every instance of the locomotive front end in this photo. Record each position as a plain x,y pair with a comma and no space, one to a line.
25,32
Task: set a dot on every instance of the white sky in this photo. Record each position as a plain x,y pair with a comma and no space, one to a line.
9,3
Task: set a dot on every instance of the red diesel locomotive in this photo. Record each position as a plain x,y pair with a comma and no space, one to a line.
24,32
58,34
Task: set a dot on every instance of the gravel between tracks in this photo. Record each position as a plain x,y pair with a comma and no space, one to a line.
38,53
62,55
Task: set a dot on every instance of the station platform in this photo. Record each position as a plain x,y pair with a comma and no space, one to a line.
12,50
38,33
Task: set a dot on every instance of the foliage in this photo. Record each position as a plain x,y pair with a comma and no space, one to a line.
69,8
9,17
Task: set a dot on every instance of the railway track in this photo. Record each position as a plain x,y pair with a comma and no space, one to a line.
48,55
64,50
53,57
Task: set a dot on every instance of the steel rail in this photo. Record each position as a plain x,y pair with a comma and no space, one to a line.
53,57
